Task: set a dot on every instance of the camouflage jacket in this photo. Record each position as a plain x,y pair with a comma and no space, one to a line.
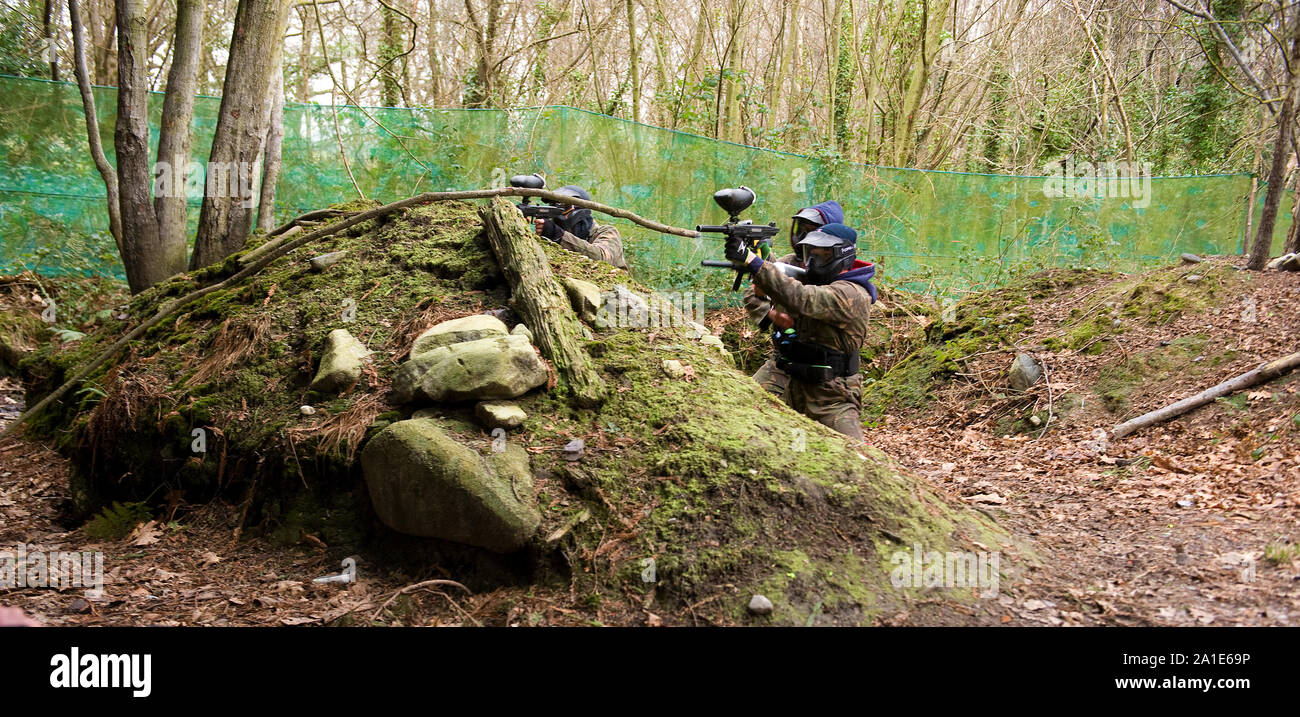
605,245
834,315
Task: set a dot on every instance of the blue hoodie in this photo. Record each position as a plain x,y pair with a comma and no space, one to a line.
831,212
861,274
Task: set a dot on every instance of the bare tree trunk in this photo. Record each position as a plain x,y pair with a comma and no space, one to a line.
92,126
1264,234
225,221
174,134
634,61
271,155
51,12
304,57
145,259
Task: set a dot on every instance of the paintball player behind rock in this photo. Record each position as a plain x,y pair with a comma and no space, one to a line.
820,325
578,232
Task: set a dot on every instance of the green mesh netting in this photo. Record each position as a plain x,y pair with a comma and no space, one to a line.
927,230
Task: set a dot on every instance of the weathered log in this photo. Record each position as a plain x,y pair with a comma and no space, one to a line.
1265,372
537,297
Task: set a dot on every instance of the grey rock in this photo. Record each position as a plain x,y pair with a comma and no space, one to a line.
1192,278
760,605
469,328
341,364
1279,261
1190,258
1185,504
424,482
573,450
584,296
306,410
1025,372
325,261
1291,264
586,333
501,367
674,368
697,331
500,414
521,330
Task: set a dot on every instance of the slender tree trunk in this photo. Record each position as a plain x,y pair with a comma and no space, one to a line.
51,16
271,155
1264,234
634,61
227,216
389,50
92,126
146,260
174,134
304,56
1254,184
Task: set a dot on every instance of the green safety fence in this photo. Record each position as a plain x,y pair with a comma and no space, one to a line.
928,230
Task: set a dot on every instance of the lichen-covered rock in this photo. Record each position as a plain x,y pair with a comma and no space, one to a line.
325,261
1025,372
341,364
585,297
500,414
521,330
424,482
501,367
469,328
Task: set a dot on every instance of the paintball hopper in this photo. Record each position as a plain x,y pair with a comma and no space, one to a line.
528,181
734,201
530,210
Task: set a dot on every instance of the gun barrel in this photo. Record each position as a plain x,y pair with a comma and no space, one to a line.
717,264
713,228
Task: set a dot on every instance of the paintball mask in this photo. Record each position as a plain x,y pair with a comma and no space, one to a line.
576,220
843,243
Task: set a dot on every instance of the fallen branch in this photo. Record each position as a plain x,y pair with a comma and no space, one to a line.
271,255
1265,372
413,588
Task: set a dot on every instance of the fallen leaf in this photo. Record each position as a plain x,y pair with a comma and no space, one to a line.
146,534
992,498
209,558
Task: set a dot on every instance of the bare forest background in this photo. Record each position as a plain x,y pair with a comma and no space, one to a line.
1000,86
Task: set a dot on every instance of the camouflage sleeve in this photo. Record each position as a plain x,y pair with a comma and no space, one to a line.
758,306
604,245
838,303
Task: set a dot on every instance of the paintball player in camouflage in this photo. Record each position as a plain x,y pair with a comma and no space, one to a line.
578,232
759,306
820,325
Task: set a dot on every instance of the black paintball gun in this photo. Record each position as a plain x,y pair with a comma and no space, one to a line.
758,237
539,210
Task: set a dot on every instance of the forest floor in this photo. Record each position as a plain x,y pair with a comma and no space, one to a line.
1192,522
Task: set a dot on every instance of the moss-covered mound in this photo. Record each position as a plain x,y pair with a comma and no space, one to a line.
694,491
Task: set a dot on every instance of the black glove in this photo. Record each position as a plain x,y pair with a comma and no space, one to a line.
738,253
551,230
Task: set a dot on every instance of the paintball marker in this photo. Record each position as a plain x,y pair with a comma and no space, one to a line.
758,237
530,210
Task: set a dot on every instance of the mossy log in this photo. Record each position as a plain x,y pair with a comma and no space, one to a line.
538,298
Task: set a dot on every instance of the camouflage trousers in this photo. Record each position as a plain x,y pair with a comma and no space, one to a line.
837,404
